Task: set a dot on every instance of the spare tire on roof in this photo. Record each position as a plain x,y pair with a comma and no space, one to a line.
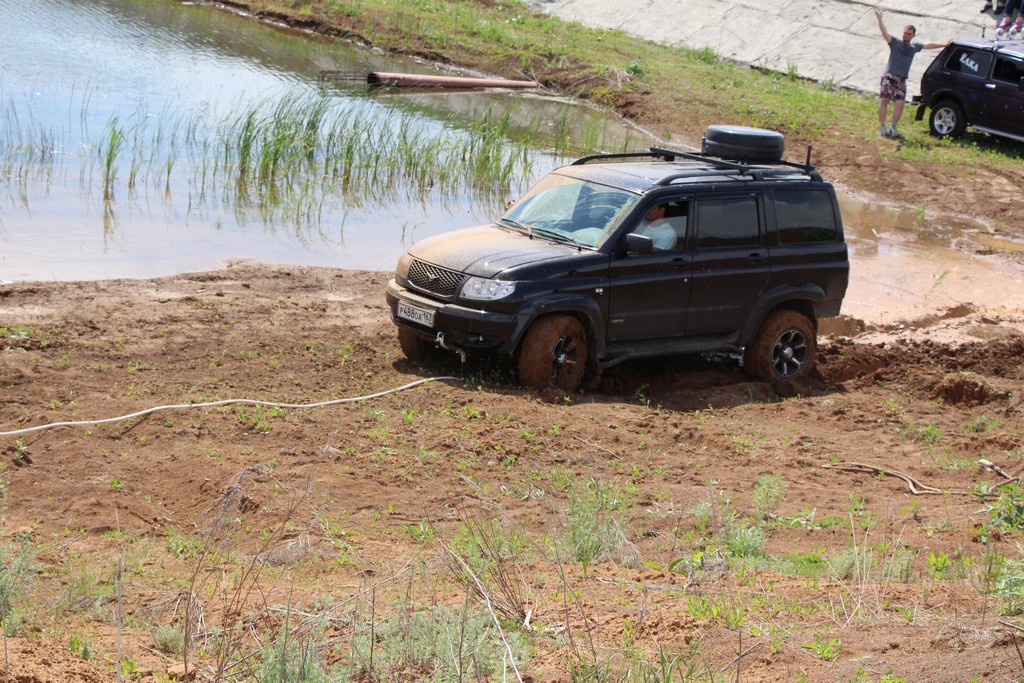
743,143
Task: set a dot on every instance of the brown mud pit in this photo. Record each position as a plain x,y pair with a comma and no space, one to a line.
348,509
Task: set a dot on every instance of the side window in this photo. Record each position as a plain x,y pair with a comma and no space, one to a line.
665,224
729,222
1007,70
970,62
805,216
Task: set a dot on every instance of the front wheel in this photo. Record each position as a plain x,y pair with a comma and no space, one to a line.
947,120
554,354
785,348
416,347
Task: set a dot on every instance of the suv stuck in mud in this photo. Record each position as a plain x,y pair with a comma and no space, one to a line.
619,256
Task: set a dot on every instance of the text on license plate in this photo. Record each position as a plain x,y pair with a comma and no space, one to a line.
416,315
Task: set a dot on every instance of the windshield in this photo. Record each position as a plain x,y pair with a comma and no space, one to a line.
570,209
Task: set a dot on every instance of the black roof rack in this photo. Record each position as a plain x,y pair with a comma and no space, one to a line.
758,171
610,157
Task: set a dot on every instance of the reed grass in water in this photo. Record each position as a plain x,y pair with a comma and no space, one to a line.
294,155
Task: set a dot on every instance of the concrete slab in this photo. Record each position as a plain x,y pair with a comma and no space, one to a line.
825,40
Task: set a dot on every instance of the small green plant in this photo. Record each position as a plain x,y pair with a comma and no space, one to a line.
983,424
769,492
169,638
181,545
16,571
81,647
825,648
1006,512
636,70
938,565
744,540
927,434
915,508
14,332
421,532
594,531
1009,586
452,644
257,418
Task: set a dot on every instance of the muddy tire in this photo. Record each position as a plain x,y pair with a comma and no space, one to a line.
786,348
553,354
947,120
417,347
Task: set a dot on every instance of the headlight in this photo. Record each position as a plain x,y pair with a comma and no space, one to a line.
487,290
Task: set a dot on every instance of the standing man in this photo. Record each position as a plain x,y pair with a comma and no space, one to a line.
894,80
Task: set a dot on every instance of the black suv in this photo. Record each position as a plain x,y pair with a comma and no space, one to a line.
975,82
630,255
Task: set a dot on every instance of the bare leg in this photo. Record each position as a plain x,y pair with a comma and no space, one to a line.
883,107
897,111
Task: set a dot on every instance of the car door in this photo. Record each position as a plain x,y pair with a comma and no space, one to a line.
966,72
730,263
648,293
1005,109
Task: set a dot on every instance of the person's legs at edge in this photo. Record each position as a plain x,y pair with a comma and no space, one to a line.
897,112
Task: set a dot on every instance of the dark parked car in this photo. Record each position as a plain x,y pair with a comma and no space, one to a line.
742,252
975,82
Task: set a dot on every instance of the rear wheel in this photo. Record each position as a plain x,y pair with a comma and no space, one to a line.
786,348
554,354
947,120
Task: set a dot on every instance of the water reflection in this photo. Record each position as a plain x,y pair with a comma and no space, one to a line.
81,78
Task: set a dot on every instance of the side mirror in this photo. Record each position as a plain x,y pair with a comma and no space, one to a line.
638,244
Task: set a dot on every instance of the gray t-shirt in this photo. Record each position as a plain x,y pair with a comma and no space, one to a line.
900,56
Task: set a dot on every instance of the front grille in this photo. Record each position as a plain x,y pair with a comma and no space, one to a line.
437,281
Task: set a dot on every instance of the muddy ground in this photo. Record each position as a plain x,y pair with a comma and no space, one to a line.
337,509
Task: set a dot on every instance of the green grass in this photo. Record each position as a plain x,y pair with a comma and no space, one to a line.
289,158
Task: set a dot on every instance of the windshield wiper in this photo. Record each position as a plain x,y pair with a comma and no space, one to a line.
553,234
513,224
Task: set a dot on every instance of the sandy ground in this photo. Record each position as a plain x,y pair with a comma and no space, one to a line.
323,500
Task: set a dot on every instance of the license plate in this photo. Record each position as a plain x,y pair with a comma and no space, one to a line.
416,315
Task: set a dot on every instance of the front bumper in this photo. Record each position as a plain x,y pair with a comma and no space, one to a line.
469,329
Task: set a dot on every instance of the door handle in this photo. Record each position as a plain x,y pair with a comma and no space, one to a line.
990,86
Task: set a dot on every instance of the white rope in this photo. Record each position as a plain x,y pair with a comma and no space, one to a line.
214,404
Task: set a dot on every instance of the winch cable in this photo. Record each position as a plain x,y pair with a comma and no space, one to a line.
232,401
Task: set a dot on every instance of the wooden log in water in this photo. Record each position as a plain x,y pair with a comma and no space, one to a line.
425,81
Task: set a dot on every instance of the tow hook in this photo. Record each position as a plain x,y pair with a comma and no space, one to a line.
439,340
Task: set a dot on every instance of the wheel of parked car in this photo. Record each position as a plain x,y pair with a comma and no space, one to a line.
743,143
785,348
554,354
947,119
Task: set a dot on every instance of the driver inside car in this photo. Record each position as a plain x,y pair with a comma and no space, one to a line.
664,231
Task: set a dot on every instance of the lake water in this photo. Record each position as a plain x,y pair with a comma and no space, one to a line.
68,68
